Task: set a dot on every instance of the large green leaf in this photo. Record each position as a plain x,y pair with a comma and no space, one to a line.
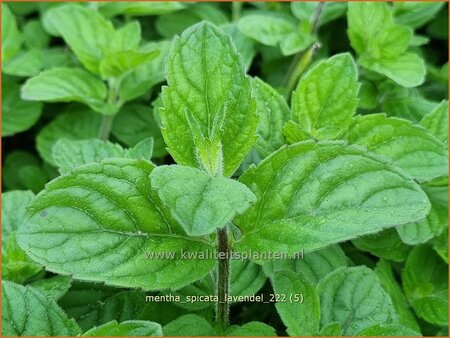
355,298
126,328
139,8
410,147
310,195
27,312
425,282
209,115
17,115
11,37
108,210
326,97
199,202
68,84
189,325
300,311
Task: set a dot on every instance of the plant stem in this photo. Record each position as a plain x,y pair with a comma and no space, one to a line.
107,120
301,60
236,8
223,279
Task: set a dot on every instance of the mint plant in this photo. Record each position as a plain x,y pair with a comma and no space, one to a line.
183,181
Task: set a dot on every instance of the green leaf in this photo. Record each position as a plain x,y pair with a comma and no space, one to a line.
391,286
415,14
53,287
436,121
11,37
120,63
410,147
300,311
175,23
422,231
27,312
14,207
199,202
126,328
406,107
251,329
115,242
35,35
78,124
267,28
273,113
141,79
66,85
18,115
389,330
326,97
324,193
425,282
134,123
70,154
313,266
23,171
188,325
25,63
355,298
407,70
110,9
385,244
244,45
332,329
440,245
209,116
85,30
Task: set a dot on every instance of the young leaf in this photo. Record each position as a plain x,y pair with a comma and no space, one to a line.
85,30
332,329
188,325
313,266
307,10
391,286
326,97
53,287
273,113
35,35
410,147
208,108
425,282
199,202
324,193
120,63
126,328
355,298
436,121
27,312
110,9
77,124
70,154
115,242
302,318
251,329
18,115
11,37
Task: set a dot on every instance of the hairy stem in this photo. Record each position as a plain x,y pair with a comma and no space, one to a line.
301,60
223,279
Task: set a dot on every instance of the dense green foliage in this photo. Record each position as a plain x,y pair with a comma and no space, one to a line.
143,140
